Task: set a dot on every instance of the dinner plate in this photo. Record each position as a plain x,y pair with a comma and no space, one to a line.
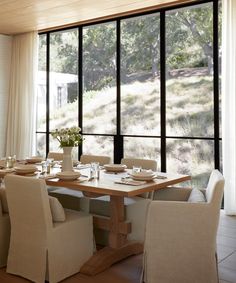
143,175
115,167
34,159
24,169
68,175
7,170
26,174
3,172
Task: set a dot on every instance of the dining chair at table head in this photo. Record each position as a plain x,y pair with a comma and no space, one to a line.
180,238
47,242
86,158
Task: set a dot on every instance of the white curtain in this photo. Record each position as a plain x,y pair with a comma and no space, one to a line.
21,106
229,104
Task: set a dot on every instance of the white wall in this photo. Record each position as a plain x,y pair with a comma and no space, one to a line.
5,63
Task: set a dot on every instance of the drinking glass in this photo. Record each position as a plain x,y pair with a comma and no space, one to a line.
95,170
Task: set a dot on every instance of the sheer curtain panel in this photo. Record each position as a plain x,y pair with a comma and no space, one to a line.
229,104
21,107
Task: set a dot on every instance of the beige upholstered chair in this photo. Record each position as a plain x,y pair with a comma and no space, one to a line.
5,228
180,239
85,159
144,163
40,248
75,199
57,156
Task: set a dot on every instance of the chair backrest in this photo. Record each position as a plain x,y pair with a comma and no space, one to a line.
28,205
57,156
144,163
190,230
85,159
215,187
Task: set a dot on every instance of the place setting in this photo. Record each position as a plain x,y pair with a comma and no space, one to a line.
138,176
69,176
114,168
26,170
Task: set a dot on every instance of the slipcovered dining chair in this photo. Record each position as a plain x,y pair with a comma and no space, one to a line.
5,228
47,242
144,163
86,158
75,199
57,156
180,238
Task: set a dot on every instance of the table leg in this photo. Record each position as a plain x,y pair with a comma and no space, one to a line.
117,209
119,248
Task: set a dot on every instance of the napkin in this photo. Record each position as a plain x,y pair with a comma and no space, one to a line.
130,182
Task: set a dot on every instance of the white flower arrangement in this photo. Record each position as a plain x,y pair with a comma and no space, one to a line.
68,136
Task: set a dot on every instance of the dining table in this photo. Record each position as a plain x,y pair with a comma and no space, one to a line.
117,188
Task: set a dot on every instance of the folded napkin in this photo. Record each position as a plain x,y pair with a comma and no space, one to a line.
130,182
83,166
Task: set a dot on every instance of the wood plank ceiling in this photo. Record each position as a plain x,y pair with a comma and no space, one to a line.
19,16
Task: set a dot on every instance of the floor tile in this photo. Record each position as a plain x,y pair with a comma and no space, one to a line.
229,262
226,241
223,252
227,274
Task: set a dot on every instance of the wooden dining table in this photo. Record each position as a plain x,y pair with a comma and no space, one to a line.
119,247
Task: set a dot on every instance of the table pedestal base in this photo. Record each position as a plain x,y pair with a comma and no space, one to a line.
107,256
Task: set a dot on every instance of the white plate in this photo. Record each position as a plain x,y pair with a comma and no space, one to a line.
26,174
3,172
34,159
143,178
7,170
68,175
25,168
143,175
115,167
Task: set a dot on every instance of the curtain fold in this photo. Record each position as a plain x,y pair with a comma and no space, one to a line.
21,106
229,104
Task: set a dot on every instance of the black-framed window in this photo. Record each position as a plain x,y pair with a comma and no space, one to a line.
144,86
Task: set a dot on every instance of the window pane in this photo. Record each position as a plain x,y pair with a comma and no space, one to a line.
146,148
40,145
192,157
63,79
41,87
140,72
98,145
189,86
99,82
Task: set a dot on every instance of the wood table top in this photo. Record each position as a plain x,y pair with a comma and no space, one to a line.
106,185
